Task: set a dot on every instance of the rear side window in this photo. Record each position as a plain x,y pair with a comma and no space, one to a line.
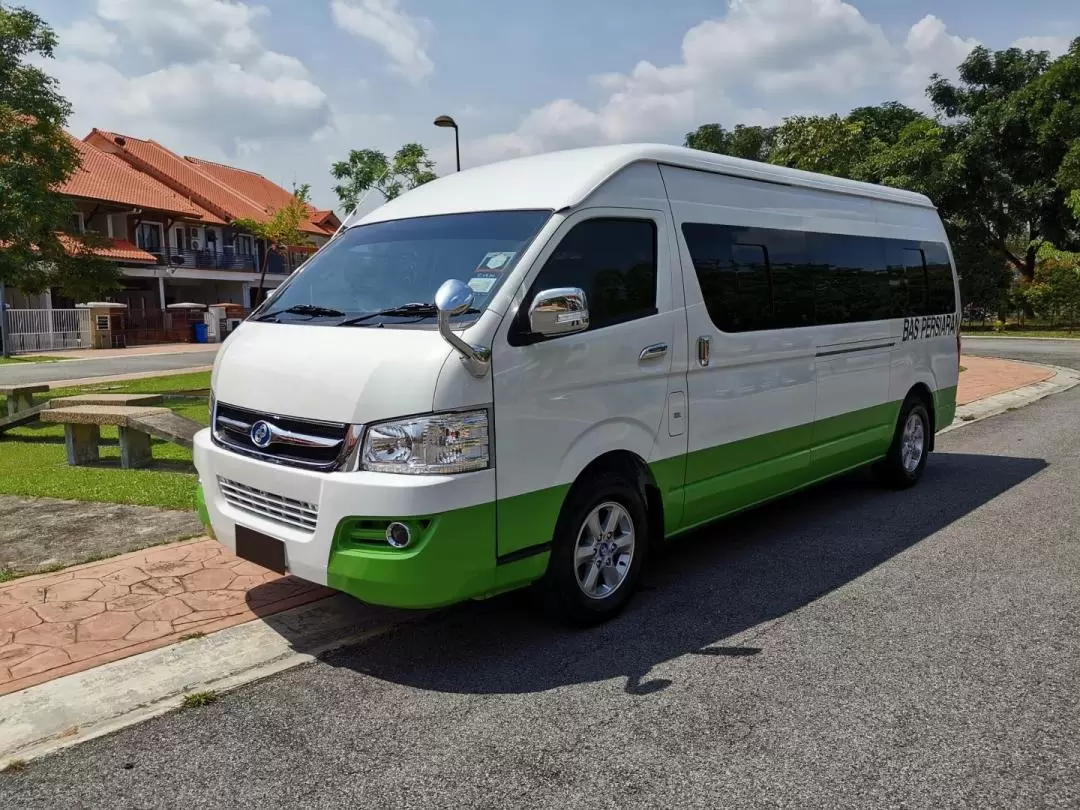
613,261
939,281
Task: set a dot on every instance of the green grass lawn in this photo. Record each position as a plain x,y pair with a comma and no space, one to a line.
32,460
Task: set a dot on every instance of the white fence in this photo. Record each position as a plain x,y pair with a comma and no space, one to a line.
41,330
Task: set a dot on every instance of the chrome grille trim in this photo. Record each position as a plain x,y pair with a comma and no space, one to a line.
277,508
305,443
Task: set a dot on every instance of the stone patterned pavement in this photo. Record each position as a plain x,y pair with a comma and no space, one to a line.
56,624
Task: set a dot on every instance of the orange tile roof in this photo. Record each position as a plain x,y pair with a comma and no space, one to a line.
229,192
255,187
118,250
102,176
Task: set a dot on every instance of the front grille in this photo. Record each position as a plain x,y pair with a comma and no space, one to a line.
278,508
294,442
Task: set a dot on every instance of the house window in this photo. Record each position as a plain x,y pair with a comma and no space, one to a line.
75,223
149,236
245,244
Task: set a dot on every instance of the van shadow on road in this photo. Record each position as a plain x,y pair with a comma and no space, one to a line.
697,592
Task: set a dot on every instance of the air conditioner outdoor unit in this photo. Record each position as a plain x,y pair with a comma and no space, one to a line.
193,244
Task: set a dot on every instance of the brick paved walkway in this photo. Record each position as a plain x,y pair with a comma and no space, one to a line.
56,624
986,376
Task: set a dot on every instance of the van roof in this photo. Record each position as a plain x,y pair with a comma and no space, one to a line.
563,179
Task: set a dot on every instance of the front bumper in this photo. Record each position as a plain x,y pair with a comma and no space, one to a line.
452,557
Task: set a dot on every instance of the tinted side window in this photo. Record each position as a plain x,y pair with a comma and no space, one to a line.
733,276
792,278
613,261
939,280
907,279
851,278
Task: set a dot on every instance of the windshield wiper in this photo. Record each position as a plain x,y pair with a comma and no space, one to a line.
403,311
302,309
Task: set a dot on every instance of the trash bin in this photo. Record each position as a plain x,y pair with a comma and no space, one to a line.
201,333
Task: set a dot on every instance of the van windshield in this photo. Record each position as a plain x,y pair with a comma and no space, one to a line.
387,273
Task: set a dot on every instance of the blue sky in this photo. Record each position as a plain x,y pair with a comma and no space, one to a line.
285,87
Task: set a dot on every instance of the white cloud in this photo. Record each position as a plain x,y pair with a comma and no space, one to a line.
764,59
206,85
87,37
1056,45
180,30
404,38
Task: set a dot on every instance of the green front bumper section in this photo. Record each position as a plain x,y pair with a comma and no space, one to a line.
452,558
204,516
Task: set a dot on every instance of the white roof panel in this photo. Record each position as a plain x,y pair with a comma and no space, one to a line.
564,179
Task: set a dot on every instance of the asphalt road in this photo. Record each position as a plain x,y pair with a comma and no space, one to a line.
847,647
17,373
1055,352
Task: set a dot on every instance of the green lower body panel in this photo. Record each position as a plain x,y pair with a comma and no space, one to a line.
944,407
479,551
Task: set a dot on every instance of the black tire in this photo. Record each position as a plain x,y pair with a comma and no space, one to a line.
892,470
564,598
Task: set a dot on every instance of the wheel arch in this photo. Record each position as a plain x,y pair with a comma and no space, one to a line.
921,390
634,468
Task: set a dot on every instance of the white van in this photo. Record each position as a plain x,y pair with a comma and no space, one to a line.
534,371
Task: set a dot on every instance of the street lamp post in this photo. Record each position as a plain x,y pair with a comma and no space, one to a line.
447,121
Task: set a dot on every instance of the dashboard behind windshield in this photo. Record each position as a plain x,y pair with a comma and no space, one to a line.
385,266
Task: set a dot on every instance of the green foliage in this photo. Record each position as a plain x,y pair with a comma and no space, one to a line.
367,169
748,142
36,155
282,230
1054,293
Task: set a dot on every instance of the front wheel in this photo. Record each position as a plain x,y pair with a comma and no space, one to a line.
906,460
599,549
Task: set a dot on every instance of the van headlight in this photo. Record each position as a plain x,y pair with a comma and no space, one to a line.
437,444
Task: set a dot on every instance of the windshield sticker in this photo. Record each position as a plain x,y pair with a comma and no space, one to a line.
482,284
495,262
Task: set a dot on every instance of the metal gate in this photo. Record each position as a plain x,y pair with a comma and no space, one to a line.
42,330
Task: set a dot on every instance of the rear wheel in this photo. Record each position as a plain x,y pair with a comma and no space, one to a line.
906,460
600,544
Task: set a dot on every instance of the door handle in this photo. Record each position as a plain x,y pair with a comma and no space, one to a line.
704,344
653,352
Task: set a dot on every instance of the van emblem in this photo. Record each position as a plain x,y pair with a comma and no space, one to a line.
262,433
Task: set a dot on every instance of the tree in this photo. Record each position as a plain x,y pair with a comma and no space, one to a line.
282,230
824,144
36,155
1013,120
885,122
367,169
748,142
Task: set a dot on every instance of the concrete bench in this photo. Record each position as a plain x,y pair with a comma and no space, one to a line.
134,400
21,397
82,431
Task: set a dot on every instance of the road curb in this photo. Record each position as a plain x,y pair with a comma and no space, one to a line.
90,704
1063,380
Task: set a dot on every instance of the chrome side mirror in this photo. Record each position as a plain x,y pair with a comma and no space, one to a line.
559,311
453,298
